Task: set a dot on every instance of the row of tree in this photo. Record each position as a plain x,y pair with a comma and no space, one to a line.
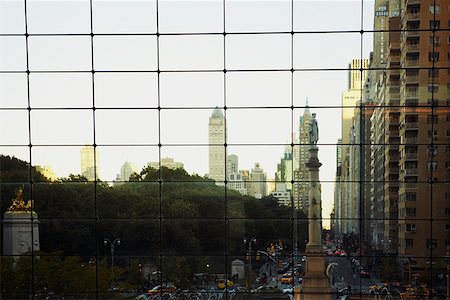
159,213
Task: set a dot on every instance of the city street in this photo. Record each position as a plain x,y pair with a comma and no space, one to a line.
344,275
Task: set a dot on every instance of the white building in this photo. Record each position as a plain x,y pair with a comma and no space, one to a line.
256,186
282,194
126,170
167,162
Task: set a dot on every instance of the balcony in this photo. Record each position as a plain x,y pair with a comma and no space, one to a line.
413,63
411,94
408,185
411,47
412,16
412,33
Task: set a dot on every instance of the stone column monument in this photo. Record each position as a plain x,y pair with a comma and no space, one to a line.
20,227
315,284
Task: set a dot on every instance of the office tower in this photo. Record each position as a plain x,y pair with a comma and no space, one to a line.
347,188
90,159
47,171
301,174
217,149
256,186
424,206
338,221
126,171
235,179
167,162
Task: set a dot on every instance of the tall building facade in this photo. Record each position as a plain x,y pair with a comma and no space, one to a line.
217,149
348,190
424,133
256,185
90,159
126,171
301,174
408,86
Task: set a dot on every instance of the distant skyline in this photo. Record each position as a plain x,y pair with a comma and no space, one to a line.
126,102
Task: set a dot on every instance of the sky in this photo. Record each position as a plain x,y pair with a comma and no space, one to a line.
126,126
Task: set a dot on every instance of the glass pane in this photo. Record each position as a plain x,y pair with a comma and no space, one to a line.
346,47
126,90
346,13
68,127
58,17
12,17
192,16
258,16
192,158
125,53
202,52
127,126
124,16
17,119
258,89
13,53
118,163
189,89
179,124
61,90
60,53
258,130
258,52
14,90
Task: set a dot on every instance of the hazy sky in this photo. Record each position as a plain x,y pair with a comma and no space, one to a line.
128,134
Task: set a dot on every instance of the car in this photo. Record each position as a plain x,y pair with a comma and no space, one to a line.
364,273
164,289
221,283
287,278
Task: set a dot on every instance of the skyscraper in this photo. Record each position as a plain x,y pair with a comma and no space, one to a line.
424,164
217,149
90,159
301,173
126,170
257,183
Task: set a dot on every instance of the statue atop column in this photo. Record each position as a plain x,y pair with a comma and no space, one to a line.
313,130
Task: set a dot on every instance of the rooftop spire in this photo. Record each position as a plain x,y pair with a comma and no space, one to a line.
306,107
217,113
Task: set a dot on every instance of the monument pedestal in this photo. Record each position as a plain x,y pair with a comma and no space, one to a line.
20,234
315,284
20,227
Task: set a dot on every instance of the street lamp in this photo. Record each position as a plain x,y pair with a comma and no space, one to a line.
249,243
112,243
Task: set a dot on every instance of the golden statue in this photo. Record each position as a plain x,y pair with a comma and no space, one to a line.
18,204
